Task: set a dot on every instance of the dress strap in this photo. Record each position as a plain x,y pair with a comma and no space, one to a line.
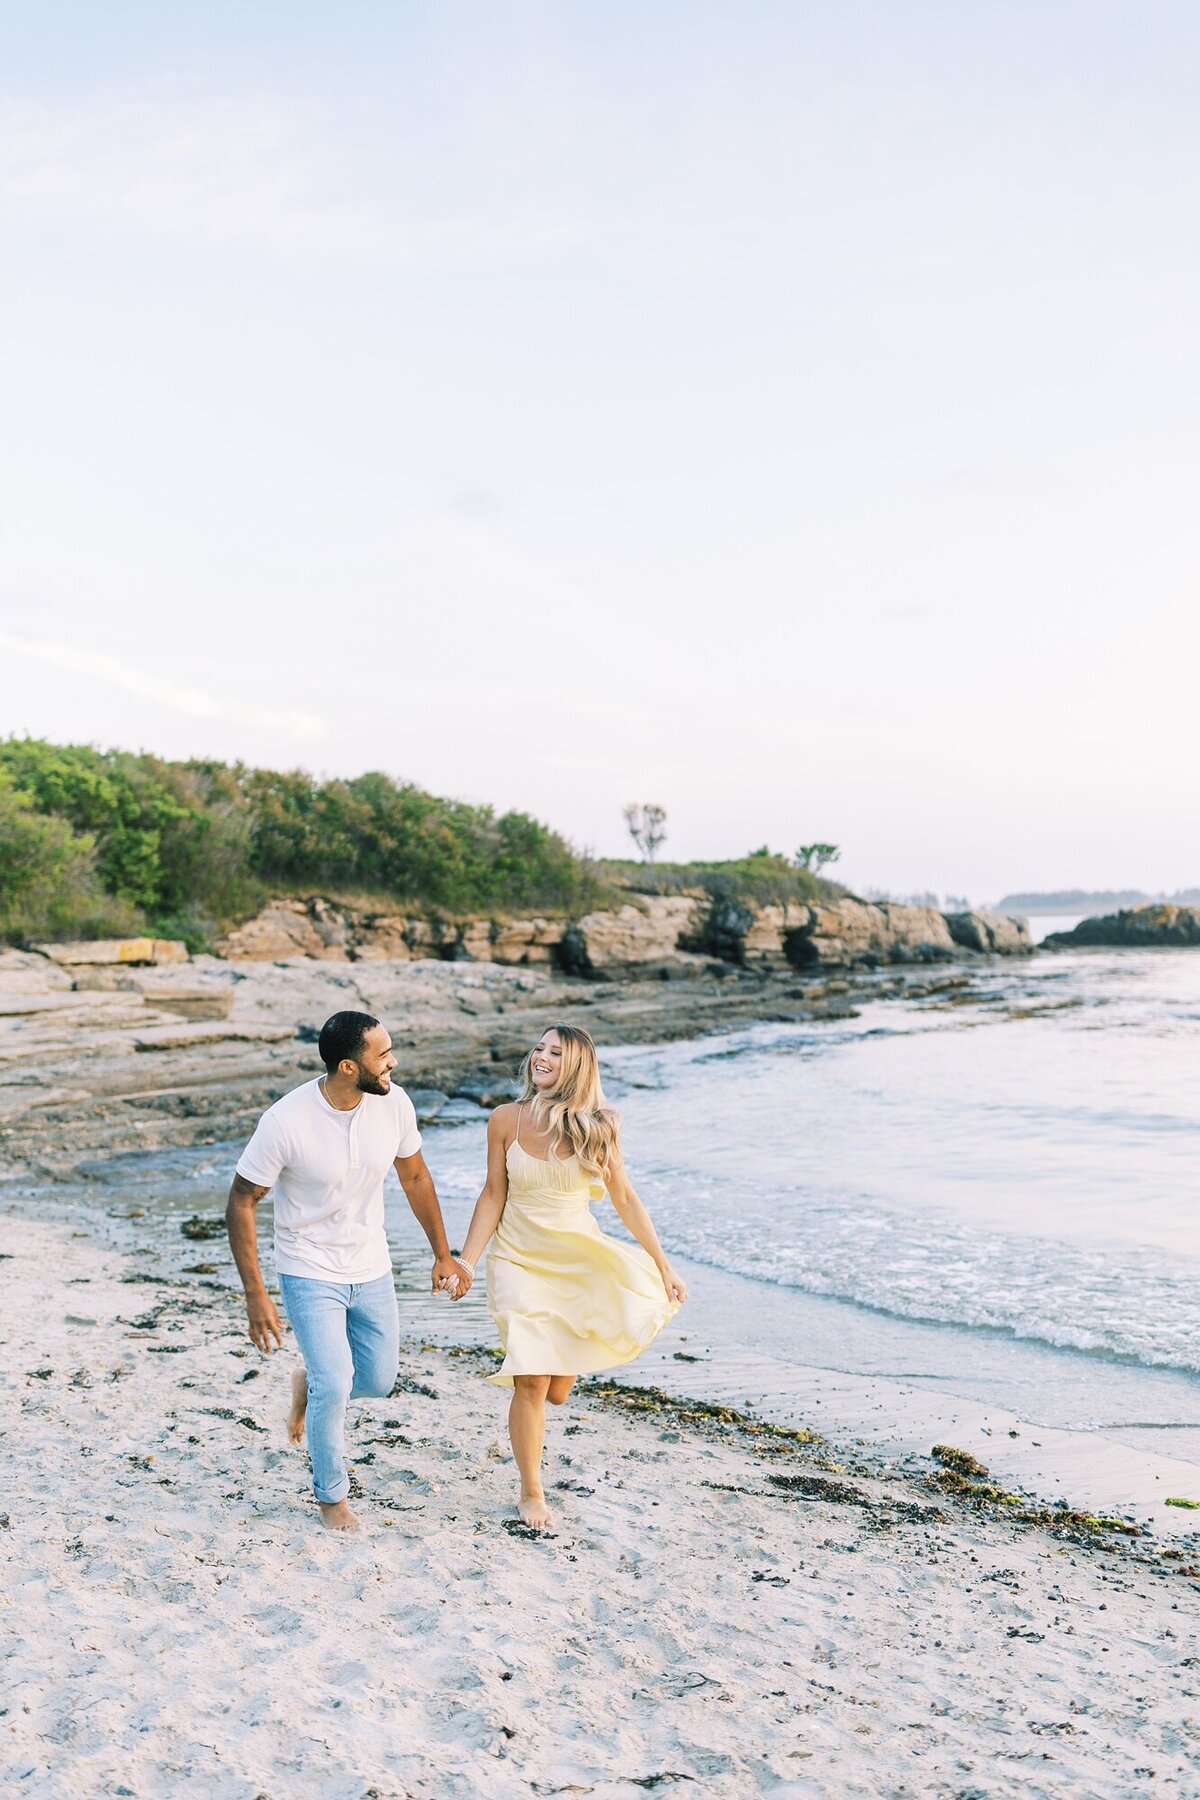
517,1138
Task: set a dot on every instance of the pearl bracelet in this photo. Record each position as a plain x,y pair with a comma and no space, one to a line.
470,1266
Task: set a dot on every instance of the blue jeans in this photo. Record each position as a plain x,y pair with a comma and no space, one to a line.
349,1337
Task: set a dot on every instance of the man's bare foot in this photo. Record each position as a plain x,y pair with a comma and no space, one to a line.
535,1512
336,1516
299,1406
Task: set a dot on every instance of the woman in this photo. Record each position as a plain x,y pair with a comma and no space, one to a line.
568,1300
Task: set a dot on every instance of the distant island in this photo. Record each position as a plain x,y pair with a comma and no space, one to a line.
1085,900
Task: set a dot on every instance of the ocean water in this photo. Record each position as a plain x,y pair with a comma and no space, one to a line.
995,1196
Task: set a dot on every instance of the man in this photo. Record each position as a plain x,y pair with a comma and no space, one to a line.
328,1146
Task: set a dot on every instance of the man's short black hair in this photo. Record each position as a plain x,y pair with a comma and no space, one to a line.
343,1036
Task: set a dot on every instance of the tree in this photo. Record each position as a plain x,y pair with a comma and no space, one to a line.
815,857
647,825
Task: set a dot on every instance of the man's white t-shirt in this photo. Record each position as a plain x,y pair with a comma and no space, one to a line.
327,1169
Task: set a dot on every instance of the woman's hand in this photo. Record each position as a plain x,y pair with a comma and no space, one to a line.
676,1288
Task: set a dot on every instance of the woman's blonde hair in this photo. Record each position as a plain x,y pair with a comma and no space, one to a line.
574,1111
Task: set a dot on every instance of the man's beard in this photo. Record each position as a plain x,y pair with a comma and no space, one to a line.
371,1084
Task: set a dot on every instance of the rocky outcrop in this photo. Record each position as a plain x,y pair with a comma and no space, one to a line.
526,941
639,935
161,988
652,934
733,931
321,929
29,972
112,1058
992,934
865,932
846,932
293,928
1139,928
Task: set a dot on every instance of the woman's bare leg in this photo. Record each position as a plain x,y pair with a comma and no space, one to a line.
560,1387
527,1429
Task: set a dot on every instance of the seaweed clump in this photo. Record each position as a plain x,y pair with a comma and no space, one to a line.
706,1415
960,1461
819,1487
199,1229
964,1475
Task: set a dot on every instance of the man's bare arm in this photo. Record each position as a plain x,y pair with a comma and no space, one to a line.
265,1322
421,1195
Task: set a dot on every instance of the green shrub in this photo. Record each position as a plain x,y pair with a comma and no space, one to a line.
106,840
48,882
189,848
763,878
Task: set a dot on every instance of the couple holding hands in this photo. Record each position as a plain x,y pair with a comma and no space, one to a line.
567,1300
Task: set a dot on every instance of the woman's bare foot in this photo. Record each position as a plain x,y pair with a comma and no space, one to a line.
336,1516
534,1511
299,1406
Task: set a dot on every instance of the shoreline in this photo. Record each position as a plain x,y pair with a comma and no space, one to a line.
741,1614
881,1422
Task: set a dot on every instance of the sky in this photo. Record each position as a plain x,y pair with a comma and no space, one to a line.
783,412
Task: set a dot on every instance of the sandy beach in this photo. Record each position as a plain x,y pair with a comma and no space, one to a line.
721,1610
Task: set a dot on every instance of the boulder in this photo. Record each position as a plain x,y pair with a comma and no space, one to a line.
1140,927
765,940
486,1090
116,950
526,941
314,928
636,937
739,931
333,928
863,931
383,937
992,934
196,1003
427,1103
282,929
25,972
474,941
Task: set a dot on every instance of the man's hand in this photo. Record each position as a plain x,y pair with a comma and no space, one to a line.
265,1323
450,1275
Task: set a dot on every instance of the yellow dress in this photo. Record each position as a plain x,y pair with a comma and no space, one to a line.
567,1299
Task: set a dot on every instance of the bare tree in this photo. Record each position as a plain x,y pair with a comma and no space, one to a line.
815,857
647,825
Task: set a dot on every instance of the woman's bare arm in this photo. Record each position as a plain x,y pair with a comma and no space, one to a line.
494,1193
633,1215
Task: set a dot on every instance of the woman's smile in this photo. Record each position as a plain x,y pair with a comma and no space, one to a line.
545,1064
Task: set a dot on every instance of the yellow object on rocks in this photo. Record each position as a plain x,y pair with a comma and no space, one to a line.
116,950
